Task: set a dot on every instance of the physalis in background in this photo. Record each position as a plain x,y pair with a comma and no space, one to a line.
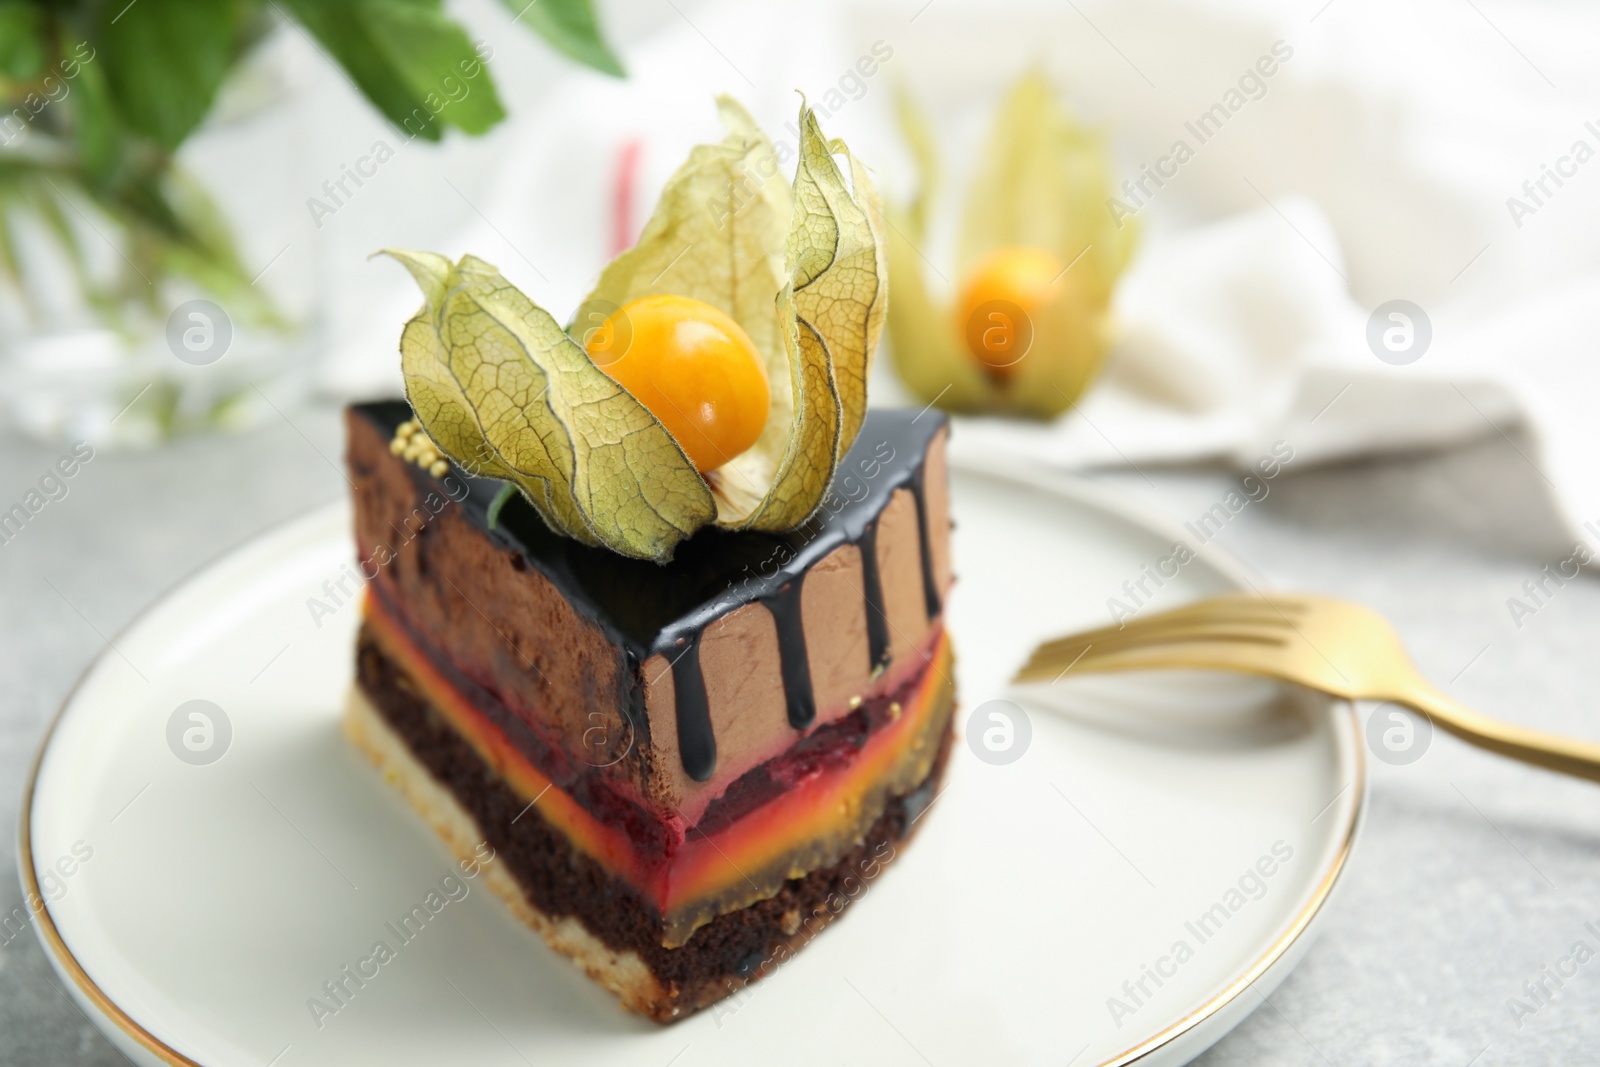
1038,255
716,374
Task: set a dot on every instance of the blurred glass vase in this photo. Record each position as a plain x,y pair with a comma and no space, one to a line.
178,297
158,268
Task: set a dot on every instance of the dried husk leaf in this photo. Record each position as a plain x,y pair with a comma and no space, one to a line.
718,235
508,393
929,353
839,290
802,270
1043,181
501,387
811,448
860,318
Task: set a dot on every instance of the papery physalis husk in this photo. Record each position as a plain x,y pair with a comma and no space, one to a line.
1043,181
508,393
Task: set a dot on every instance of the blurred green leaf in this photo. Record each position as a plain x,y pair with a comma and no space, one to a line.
165,60
435,58
48,200
142,76
10,262
571,27
381,45
95,129
337,24
21,40
35,188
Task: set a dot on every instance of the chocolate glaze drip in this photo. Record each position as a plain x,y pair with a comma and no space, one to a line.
930,584
872,588
646,608
697,742
793,660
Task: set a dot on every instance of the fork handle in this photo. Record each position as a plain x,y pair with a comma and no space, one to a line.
1551,751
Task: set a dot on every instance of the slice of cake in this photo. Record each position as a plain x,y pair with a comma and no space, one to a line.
654,603
685,771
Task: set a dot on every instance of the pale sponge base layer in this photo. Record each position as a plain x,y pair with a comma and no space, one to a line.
623,973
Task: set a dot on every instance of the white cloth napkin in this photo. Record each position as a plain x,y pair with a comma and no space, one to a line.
1375,163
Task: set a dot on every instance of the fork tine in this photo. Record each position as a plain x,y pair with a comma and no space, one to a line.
1235,617
1252,605
1284,601
1187,616
1051,663
1173,634
1223,655
1205,613
1230,605
1235,606
1134,631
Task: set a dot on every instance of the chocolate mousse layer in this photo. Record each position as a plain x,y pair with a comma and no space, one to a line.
675,680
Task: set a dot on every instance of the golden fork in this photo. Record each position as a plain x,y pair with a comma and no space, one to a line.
1318,642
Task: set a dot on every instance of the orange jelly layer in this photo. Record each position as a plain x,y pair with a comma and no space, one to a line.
805,828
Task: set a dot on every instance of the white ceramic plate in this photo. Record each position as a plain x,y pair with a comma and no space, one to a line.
196,909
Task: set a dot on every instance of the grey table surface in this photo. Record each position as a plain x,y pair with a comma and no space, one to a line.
1473,876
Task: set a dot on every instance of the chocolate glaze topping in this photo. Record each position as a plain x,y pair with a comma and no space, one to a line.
647,608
